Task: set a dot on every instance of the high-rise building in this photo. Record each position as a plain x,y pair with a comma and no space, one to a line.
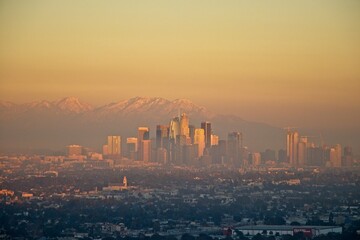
234,148
145,151
161,155
214,140
114,145
131,148
162,136
335,156
74,150
199,139
174,129
192,133
348,157
190,154
302,151
315,156
144,135
292,141
184,125
207,131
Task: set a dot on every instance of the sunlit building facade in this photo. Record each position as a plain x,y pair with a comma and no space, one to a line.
199,140
74,150
335,156
292,141
114,145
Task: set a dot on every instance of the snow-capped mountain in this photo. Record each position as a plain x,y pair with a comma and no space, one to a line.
65,105
160,107
54,124
72,104
5,105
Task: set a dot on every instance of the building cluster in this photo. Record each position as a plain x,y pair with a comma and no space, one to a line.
301,152
177,143
182,144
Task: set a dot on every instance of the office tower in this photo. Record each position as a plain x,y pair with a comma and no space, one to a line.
162,136
207,131
190,154
315,156
184,125
143,135
161,155
244,156
182,140
347,151
348,157
338,155
199,139
302,151
335,156
74,150
214,140
174,129
234,148
192,133
292,141
145,151
132,144
114,145
256,158
131,148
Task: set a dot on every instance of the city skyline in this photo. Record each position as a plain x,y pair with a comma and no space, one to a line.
180,143
180,120
71,112
280,62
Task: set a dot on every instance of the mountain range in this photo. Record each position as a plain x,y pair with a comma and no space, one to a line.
55,124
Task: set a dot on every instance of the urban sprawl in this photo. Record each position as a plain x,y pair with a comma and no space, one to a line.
185,184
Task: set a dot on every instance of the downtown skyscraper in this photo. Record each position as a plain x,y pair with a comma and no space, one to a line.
114,145
292,140
207,132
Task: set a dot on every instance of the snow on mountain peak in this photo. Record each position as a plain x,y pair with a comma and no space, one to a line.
72,104
43,104
6,104
136,106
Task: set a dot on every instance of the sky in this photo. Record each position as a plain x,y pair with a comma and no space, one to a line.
286,63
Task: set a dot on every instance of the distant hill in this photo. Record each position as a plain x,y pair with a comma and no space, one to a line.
54,124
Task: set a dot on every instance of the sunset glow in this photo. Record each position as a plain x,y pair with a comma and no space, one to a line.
274,62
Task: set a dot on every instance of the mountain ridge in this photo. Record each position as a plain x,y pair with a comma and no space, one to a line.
70,120
127,106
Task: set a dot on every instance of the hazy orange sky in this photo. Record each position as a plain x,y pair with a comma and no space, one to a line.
281,62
